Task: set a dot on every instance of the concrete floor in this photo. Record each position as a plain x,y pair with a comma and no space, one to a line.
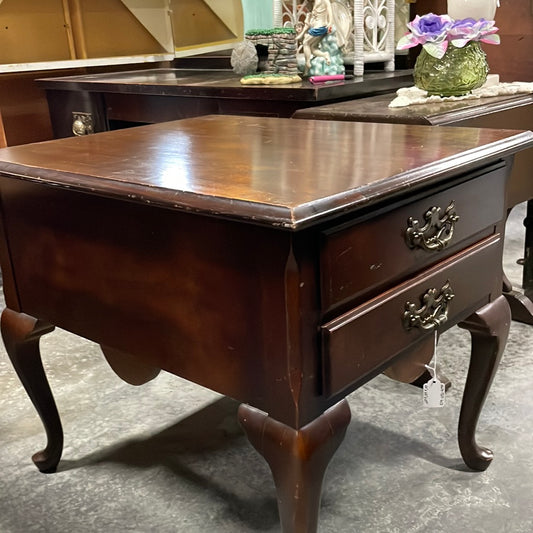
170,457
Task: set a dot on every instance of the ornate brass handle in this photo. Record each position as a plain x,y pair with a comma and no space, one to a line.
433,311
82,124
436,233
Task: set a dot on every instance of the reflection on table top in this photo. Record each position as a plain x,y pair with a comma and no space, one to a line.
224,83
288,171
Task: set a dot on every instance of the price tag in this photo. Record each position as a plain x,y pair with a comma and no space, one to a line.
434,390
434,393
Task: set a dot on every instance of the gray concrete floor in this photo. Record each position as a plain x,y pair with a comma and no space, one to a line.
170,457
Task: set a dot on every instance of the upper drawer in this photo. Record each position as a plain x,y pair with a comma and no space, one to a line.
360,259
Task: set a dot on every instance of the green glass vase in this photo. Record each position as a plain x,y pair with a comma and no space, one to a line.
458,72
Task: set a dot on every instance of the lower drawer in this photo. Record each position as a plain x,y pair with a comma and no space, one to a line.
366,339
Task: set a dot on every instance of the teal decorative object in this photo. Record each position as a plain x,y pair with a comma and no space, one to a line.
334,64
455,74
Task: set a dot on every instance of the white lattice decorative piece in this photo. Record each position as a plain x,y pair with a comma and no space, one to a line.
365,28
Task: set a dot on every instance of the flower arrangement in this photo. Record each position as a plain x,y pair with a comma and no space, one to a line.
435,32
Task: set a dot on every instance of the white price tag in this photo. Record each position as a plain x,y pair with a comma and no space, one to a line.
434,393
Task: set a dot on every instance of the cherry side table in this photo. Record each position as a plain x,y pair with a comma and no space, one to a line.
262,258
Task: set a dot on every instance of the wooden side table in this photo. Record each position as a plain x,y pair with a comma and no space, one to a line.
506,112
226,250
114,100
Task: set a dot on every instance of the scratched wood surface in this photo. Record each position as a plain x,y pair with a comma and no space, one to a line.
272,171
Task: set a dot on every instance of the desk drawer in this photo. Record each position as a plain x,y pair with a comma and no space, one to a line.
364,339
377,249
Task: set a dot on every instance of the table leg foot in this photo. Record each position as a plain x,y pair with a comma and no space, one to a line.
21,334
298,459
489,328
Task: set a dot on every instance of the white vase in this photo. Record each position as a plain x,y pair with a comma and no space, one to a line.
476,9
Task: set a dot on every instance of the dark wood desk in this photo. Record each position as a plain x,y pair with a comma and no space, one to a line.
119,99
508,112
280,262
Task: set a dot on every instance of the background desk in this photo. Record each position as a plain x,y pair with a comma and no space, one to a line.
508,112
226,251
120,99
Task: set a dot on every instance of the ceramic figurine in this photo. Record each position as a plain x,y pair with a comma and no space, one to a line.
317,24
321,51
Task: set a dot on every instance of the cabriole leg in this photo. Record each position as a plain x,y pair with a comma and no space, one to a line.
298,460
21,334
489,328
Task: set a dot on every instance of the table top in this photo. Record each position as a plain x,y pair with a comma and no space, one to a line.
277,172
376,109
225,83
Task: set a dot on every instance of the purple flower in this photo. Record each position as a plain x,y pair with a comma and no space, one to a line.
430,27
466,30
434,32
430,31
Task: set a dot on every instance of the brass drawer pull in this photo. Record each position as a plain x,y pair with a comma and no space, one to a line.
82,124
437,232
433,311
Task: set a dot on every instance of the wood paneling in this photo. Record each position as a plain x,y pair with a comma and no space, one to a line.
199,23
108,28
24,113
58,30
513,59
32,31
